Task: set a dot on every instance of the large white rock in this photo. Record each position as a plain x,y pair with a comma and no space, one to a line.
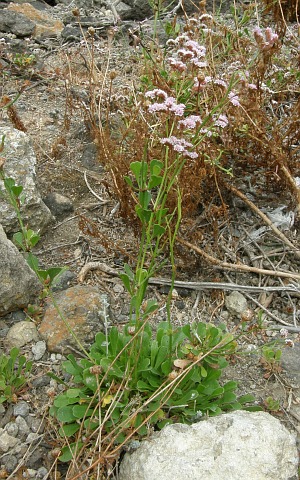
234,446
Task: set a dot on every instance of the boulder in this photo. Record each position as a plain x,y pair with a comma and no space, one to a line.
44,24
19,285
16,23
20,161
235,446
79,310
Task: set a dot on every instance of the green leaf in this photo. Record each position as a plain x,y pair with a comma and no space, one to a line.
161,356
126,282
65,414
143,365
246,398
151,307
154,181
16,190
228,397
136,168
166,367
18,239
9,183
73,393
69,430
143,386
32,237
70,451
128,271
129,182
143,214
82,411
144,199
90,380
62,400
154,350
155,167
32,262
51,274
158,230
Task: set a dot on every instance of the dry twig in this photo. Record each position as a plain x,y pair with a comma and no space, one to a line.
238,267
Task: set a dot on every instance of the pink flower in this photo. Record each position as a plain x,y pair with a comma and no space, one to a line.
198,50
177,64
221,121
234,99
190,122
219,81
157,107
269,41
184,53
156,93
169,104
198,64
258,35
180,145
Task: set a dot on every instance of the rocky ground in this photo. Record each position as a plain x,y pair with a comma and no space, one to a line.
53,110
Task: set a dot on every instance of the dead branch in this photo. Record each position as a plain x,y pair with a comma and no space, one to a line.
264,217
238,267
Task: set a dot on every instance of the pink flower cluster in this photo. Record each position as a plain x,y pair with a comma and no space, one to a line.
199,84
220,120
169,104
190,53
180,145
190,122
234,99
267,42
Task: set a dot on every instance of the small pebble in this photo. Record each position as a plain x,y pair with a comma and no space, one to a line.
12,429
41,472
38,349
21,408
32,437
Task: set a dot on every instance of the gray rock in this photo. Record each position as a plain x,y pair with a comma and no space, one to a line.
7,442
19,285
90,159
58,204
71,33
41,473
44,25
21,408
32,437
9,462
236,303
22,427
21,333
36,458
12,429
290,361
36,424
20,165
38,349
63,281
41,381
16,23
235,446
